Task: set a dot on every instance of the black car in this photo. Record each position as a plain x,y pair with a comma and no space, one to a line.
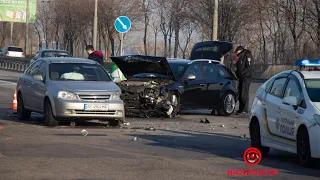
50,53
155,85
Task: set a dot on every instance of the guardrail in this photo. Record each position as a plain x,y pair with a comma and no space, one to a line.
14,64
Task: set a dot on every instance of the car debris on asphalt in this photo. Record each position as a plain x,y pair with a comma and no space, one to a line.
84,132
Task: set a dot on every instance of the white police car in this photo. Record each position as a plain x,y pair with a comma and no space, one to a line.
285,114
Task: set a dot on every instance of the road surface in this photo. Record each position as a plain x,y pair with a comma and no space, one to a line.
181,148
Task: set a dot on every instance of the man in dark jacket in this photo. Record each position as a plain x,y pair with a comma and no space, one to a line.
244,74
94,55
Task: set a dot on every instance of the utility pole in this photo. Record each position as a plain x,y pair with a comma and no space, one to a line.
95,24
215,21
121,44
27,28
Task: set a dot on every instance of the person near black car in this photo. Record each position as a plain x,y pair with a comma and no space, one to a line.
94,55
244,74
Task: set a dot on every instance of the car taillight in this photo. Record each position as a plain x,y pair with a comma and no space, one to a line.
7,53
22,54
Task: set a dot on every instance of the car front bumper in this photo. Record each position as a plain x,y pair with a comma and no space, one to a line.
75,110
314,134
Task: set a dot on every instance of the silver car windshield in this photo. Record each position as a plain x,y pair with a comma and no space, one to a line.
313,87
77,72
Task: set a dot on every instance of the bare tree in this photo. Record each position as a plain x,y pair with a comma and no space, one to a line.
188,29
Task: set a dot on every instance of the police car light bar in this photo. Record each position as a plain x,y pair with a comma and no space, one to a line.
307,62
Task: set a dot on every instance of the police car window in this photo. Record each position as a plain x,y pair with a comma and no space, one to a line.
293,89
194,70
269,85
209,71
42,70
278,86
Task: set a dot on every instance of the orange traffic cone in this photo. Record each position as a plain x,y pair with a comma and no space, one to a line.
15,103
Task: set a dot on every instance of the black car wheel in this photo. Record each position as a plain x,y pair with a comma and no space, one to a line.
256,138
23,114
49,119
303,148
228,104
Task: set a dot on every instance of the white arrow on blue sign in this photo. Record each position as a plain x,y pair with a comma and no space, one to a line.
122,24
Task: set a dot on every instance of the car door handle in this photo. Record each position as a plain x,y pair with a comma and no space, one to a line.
202,85
220,84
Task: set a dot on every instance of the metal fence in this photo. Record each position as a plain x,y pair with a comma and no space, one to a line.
14,64
260,71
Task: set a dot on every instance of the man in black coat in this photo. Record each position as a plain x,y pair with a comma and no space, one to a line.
244,74
94,55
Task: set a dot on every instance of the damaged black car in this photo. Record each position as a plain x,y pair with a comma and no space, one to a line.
150,88
157,86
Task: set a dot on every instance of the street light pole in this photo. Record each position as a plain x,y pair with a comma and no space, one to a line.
215,21
27,28
95,24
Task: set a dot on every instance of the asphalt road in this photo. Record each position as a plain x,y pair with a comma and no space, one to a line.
181,148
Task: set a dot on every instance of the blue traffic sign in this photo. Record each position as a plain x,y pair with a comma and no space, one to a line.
122,24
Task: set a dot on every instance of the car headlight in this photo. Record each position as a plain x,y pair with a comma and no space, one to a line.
115,96
317,119
67,95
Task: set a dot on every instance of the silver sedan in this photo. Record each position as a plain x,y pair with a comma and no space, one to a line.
65,89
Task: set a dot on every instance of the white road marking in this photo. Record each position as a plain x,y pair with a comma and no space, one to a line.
7,82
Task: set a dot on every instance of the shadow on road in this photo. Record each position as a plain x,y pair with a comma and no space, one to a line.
9,115
227,146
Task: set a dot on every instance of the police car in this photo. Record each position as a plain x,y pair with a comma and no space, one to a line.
285,114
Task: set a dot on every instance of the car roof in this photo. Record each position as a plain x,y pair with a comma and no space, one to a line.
311,74
53,50
53,60
179,61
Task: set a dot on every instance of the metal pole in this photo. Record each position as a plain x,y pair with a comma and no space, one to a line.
27,28
121,44
11,34
215,21
95,24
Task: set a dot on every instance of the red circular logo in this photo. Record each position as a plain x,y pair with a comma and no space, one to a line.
252,156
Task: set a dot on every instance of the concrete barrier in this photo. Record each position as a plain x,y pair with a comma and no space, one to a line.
14,64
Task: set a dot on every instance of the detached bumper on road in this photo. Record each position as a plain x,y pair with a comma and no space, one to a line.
75,109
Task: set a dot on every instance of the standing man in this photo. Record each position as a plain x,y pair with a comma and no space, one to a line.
244,74
94,55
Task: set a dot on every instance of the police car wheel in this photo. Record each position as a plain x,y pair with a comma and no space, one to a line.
256,138
303,148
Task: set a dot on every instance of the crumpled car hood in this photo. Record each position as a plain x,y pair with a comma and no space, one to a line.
136,64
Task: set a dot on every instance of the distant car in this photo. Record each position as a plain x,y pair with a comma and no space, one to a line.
65,89
285,113
158,86
47,53
13,51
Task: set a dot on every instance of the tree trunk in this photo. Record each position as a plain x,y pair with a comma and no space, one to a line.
145,33
165,45
170,44
155,43
176,42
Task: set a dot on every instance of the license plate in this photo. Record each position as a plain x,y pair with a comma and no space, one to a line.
96,107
